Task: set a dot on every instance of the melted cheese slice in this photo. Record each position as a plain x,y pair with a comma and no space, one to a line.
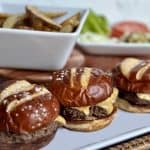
73,72
85,77
14,88
61,120
106,104
141,72
11,106
127,65
143,96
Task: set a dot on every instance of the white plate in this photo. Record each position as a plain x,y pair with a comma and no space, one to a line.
116,11
124,126
115,48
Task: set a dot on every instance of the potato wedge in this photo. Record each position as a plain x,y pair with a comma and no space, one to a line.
24,27
34,12
12,20
1,22
71,23
36,23
36,19
4,15
53,15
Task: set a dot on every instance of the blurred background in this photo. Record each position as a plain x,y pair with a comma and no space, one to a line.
114,9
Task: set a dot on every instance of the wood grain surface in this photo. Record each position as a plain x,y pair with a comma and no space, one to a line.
106,62
77,59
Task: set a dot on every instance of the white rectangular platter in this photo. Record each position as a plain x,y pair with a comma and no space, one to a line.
116,48
116,11
124,126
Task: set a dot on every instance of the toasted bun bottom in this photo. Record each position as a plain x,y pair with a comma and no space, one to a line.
36,145
90,125
125,105
30,141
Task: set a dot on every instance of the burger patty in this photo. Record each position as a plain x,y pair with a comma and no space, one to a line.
133,99
12,138
96,112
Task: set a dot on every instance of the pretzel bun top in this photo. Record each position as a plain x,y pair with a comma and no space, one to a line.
133,75
78,87
26,107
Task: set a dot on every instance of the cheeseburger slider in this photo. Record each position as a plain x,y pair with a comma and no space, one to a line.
132,78
86,96
28,113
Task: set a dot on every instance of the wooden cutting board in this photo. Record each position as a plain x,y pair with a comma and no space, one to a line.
77,59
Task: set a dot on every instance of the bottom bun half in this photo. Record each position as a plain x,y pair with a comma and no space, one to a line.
28,141
36,145
88,126
125,105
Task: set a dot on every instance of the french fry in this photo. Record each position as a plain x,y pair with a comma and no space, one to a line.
12,20
53,15
45,28
24,27
67,28
71,23
36,19
36,23
1,22
34,12
4,15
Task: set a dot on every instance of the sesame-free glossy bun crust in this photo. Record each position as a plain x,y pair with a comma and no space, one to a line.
44,110
77,87
146,75
131,85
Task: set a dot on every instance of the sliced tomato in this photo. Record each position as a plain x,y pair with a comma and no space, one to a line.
128,27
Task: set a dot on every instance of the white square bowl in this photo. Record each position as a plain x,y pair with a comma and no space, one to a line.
40,50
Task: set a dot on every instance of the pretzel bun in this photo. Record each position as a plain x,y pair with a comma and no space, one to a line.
132,78
27,111
87,97
81,86
133,75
